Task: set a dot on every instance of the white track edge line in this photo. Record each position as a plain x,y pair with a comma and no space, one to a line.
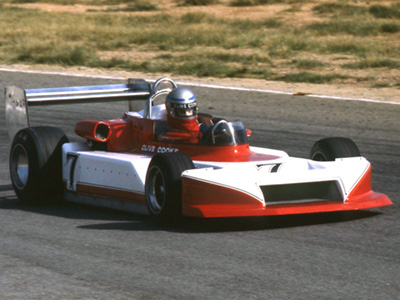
212,86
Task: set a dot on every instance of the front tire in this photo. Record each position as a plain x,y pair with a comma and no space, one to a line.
163,186
35,164
329,149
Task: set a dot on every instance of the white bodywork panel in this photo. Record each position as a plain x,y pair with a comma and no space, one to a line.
104,169
249,177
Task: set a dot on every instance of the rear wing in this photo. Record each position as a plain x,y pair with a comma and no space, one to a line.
18,100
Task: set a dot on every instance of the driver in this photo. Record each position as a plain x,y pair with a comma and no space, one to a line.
182,115
182,110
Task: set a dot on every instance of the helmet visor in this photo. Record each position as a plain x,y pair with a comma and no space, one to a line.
183,110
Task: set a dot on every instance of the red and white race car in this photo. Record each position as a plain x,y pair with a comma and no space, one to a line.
139,163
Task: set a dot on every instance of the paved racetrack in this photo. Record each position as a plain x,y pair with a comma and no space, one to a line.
70,251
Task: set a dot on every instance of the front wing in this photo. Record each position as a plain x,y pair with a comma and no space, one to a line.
295,186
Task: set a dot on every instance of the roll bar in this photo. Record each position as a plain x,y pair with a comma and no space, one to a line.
18,100
155,93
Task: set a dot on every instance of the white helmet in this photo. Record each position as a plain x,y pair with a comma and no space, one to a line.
181,104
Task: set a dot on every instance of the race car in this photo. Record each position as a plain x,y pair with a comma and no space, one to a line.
139,163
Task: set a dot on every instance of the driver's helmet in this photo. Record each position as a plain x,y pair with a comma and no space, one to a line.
181,104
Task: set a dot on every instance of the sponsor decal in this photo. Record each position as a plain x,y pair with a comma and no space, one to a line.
148,148
183,105
154,149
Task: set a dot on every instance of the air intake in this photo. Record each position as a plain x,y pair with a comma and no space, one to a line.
301,192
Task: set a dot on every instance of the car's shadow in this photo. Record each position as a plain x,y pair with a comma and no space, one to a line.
106,219
190,225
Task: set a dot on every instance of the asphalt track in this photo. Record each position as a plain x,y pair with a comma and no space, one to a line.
70,251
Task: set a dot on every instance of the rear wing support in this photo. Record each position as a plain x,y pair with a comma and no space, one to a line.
18,100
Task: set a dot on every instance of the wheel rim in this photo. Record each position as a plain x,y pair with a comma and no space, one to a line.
19,166
156,190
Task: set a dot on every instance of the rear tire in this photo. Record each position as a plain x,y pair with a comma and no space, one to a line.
331,148
36,164
163,186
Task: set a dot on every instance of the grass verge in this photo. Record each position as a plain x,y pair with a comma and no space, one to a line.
336,38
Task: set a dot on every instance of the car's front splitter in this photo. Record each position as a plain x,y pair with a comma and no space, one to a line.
201,198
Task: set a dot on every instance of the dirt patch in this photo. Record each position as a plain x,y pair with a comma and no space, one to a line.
77,8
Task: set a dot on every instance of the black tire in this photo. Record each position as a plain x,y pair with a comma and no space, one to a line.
331,148
163,186
36,164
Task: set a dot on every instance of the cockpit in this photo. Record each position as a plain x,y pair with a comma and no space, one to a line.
225,133
220,132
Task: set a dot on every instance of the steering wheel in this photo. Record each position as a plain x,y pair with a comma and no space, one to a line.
230,130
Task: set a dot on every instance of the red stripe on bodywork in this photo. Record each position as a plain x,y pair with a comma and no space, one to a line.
363,191
102,192
202,199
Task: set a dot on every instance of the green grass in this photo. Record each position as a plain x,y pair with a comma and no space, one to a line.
309,77
72,2
136,6
390,28
339,9
55,55
307,63
61,2
344,47
202,44
385,12
343,9
380,85
254,2
198,2
209,63
356,27
373,63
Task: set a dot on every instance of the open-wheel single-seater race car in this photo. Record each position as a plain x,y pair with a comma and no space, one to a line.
139,163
